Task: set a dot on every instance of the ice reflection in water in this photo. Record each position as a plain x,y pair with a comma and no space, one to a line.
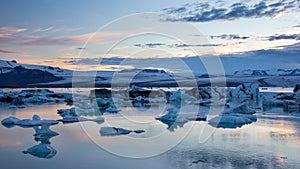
271,142
43,134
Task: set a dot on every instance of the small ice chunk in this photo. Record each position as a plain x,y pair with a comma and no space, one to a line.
67,112
112,109
139,131
108,131
123,131
10,120
70,119
12,107
41,151
112,131
36,121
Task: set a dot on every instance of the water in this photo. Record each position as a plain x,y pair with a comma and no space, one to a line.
271,142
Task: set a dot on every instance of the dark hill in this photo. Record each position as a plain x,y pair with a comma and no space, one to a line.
22,77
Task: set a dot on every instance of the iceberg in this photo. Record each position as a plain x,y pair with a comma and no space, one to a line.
112,109
112,131
73,119
232,120
35,121
140,99
246,90
172,119
242,108
67,112
179,96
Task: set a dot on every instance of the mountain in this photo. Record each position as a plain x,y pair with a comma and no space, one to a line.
250,72
13,74
22,77
271,72
7,66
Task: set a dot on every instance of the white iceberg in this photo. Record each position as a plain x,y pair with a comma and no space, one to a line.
232,120
246,90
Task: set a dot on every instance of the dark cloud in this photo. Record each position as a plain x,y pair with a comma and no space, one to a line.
195,45
284,37
204,12
6,51
153,45
81,48
149,45
230,37
95,61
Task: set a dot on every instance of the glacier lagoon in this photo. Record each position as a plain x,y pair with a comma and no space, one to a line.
272,141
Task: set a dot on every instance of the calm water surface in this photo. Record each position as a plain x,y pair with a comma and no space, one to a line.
271,142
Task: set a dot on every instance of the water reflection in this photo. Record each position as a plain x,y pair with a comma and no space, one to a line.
42,135
171,118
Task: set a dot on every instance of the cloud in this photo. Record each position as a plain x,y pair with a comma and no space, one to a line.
196,45
30,39
284,37
52,29
6,51
204,12
94,61
81,48
149,45
48,41
154,45
230,37
7,32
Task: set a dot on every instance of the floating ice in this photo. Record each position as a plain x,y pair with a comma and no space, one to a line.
242,108
67,112
41,151
140,99
111,131
112,109
232,120
34,96
35,121
246,90
10,120
179,96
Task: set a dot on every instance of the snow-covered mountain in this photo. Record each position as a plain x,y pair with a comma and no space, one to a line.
273,72
13,74
8,66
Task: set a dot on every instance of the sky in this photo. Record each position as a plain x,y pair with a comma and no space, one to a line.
55,32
